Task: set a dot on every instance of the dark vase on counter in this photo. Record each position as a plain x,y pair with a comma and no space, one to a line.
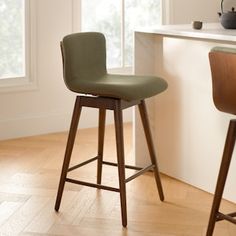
227,19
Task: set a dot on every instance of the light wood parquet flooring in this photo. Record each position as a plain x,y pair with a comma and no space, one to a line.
29,176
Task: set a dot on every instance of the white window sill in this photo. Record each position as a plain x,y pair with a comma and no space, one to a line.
121,70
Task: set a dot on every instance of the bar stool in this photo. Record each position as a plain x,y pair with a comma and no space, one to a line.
223,70
85,72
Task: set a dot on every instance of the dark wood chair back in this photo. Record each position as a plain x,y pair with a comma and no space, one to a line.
223,70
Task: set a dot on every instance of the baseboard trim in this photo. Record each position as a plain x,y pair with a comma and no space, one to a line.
50,123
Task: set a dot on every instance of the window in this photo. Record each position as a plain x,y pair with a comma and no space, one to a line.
117,19
15,43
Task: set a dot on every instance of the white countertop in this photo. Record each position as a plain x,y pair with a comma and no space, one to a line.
212,31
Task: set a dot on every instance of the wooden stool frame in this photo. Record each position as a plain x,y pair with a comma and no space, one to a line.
216,215
117,105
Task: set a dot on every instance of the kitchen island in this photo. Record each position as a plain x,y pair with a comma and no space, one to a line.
189,133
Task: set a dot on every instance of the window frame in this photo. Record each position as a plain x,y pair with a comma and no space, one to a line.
77,27
27,82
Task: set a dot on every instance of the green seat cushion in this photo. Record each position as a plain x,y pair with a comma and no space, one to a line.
84,56
223,49
127,87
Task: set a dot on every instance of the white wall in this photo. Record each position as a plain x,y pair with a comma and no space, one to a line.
49,107
185,11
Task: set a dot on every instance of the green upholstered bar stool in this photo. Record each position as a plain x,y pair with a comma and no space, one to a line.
223,70
85,72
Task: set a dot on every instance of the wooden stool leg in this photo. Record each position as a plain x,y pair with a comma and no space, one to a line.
101,132
147,131
224,168
120,158
68,152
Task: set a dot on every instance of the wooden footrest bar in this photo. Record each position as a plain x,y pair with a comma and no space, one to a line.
105,163
229,217
142,171
126,166
99,186
82,164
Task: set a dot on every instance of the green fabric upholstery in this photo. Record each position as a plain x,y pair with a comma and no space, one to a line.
223,49
85,71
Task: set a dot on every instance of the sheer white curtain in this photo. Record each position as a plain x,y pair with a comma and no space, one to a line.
12,38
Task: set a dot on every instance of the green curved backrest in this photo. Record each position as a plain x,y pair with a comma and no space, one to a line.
84,56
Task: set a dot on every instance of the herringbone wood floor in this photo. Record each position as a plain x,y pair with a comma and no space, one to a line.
29,175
